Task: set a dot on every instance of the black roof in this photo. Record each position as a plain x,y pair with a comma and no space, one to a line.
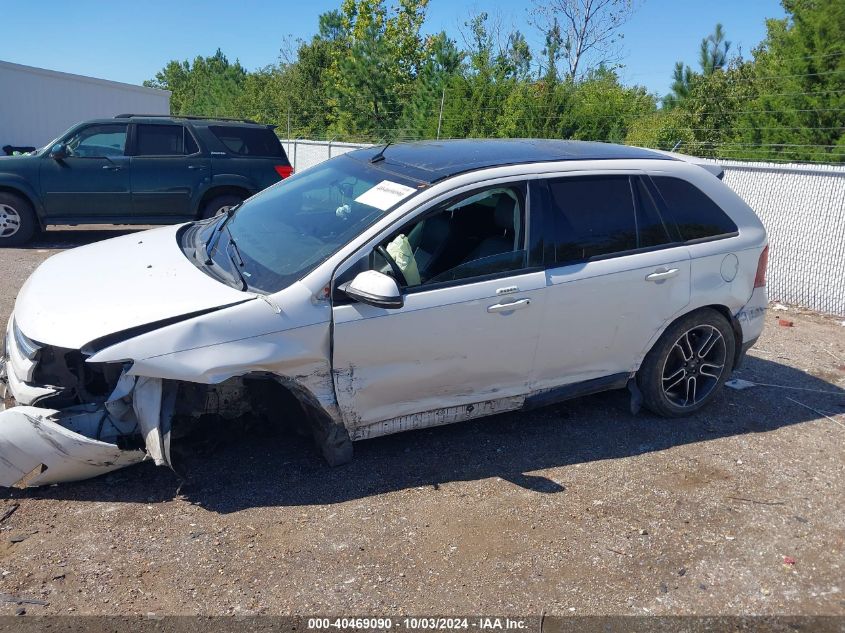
431,161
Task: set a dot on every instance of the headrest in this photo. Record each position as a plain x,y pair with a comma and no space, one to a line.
504,216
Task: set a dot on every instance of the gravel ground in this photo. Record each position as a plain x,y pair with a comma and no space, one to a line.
579,508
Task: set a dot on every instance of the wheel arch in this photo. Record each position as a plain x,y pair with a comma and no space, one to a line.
29,196
220,190
724,310
277,398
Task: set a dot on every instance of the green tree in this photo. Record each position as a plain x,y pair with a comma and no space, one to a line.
712,57
421,117
373,70
799,73
206,86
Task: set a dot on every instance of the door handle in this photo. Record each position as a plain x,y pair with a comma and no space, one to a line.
196,166
112,167
660,275
507,307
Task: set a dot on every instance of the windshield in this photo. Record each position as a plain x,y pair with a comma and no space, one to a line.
282,233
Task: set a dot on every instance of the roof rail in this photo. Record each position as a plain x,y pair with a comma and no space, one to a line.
184,116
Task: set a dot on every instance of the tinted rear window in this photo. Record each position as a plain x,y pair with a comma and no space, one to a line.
596,216
248,141
696,215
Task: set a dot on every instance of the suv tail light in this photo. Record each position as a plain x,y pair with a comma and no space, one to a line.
284,170
760,277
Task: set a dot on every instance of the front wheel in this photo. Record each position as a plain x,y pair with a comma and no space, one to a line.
688,365
17,220
220,204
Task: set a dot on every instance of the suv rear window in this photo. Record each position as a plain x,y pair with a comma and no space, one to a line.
696,215
248,141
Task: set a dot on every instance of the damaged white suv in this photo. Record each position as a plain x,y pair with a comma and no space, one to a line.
388,289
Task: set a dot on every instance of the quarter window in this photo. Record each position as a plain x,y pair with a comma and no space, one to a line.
696,215
164,140
248,141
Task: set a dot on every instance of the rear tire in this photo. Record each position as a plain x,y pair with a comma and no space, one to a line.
688,365
219,204
18,223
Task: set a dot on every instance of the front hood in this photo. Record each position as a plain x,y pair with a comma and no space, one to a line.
114,285
9,163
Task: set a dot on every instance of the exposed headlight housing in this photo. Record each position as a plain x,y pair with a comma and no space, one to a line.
26,346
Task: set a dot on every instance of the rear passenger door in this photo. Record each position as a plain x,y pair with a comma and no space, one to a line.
167,170
615,276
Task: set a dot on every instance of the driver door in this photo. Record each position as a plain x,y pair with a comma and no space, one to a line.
92,181
464,341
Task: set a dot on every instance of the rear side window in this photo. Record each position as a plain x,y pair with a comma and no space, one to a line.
597,216
164,140
248,141
696,215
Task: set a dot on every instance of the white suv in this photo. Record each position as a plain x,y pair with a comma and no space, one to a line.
391,288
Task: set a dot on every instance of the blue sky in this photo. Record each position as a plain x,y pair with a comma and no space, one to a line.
127,41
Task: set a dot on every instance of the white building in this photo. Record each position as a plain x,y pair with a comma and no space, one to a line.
37,105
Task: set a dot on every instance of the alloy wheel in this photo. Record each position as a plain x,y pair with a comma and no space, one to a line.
10,221
694,366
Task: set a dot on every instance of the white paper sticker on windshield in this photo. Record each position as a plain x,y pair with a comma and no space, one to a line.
385,194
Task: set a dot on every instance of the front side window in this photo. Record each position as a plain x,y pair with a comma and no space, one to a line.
480,234
696,215
97,141
163,140
599,216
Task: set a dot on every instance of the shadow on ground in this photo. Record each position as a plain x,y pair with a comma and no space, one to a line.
282,470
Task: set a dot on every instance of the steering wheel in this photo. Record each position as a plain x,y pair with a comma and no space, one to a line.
400,276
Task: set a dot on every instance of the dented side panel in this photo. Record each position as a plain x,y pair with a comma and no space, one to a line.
443,349
438,417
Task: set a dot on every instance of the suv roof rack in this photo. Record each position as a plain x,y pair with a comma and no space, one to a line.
185,116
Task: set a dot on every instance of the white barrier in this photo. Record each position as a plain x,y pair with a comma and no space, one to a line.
802,207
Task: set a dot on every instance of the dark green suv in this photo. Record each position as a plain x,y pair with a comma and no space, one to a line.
137,169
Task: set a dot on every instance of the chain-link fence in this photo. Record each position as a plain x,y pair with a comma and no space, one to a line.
802,207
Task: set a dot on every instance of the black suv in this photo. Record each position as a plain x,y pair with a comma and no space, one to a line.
137,169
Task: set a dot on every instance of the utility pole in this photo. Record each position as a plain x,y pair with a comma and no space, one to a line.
440,118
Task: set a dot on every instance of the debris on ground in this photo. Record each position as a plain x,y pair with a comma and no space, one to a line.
788,560
7,597
786,323
779,307
739,384
9,511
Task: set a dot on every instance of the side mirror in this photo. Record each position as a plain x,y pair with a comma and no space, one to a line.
375,289
58,151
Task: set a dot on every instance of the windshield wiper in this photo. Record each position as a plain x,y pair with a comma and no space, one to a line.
214,240
236,251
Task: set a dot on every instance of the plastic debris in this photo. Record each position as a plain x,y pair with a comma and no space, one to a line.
739,384
785,323
788,560
779,307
